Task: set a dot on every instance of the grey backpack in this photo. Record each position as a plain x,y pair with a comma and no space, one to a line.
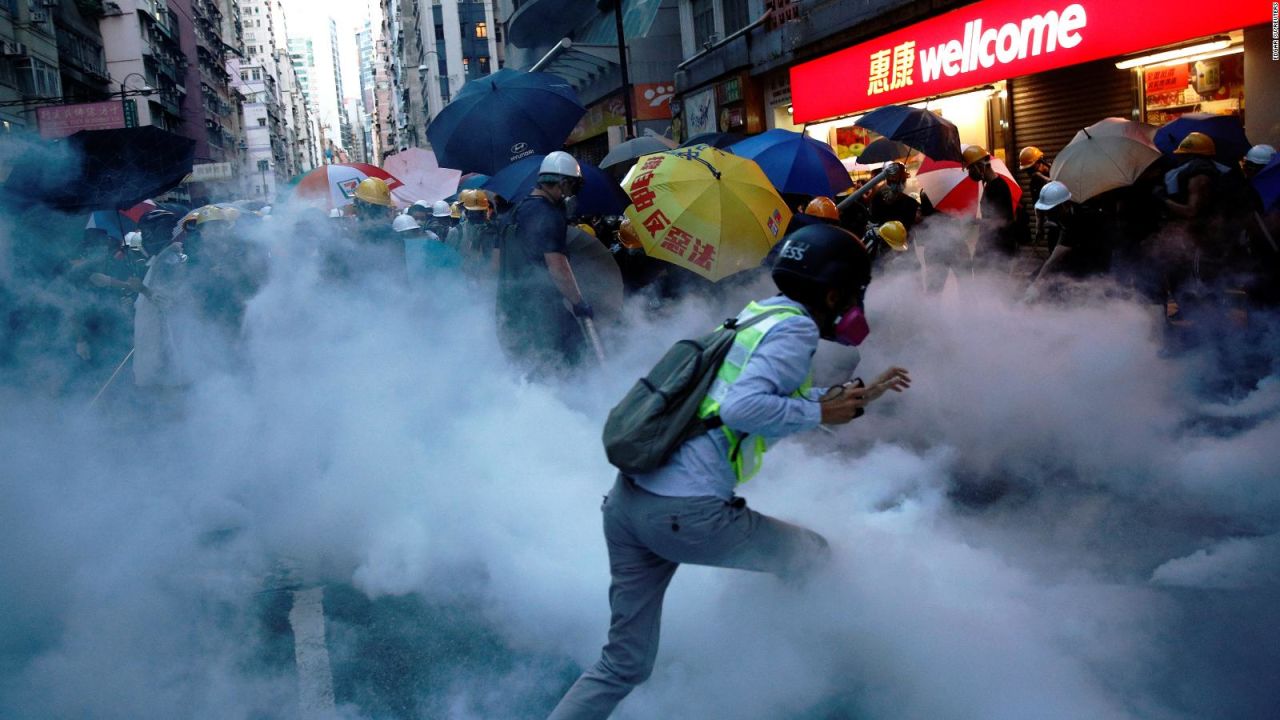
660,412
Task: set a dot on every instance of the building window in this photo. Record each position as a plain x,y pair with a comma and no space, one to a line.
262,122
704,21
482,30
736,15
466,68
483,65
38,78
257,74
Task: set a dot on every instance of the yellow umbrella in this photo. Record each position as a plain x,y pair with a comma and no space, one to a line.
704,209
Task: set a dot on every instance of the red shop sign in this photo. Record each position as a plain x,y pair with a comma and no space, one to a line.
1164,79
999,39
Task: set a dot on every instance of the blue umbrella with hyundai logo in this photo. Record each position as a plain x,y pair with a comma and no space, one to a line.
501,118
599,194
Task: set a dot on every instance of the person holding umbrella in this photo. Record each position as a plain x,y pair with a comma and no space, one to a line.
687,510
996,239
535,278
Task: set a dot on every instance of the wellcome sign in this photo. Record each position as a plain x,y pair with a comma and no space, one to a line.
996,40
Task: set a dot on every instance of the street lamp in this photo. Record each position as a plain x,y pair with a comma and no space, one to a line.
124,87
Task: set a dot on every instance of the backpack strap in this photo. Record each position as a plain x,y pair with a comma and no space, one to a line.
714,422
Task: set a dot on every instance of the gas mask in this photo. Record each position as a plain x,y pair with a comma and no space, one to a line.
851,328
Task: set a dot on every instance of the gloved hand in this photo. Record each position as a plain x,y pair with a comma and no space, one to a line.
583,310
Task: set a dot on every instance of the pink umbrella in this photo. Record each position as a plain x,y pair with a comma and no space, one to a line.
334,186
422,176
950,189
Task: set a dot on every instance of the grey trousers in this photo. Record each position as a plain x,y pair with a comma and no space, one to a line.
648,536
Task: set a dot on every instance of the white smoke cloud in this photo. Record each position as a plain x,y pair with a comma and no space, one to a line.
1016,536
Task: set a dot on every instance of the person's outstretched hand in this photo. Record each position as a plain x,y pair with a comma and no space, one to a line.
895,378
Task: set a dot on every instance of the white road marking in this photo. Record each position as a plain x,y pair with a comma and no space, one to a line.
315,677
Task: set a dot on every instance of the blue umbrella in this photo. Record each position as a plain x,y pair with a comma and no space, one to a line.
937,138
1225,130
599,194
795,162
1267,183
503,117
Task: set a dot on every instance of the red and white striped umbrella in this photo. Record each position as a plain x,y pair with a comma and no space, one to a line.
334,186
950,189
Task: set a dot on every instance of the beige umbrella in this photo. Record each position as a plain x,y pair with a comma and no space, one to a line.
597,273
1111,153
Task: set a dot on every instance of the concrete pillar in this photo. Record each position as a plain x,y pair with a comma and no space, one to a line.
1261,87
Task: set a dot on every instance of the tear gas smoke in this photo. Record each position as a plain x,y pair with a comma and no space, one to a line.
1050,524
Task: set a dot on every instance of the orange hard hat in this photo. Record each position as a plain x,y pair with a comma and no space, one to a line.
973,154
1029,156
627,235
823,207
1196,143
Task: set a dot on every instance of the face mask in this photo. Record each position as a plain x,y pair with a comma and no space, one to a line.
852,328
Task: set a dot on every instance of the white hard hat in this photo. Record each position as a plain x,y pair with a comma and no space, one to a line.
560,163
421,204
133,240
1259,154
441,209
1052,195
405,222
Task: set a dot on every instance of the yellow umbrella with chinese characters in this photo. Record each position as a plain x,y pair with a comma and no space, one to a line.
705,210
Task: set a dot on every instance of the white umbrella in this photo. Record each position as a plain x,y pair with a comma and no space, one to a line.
1111,153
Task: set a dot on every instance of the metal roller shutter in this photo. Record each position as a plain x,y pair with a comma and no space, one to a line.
1051,107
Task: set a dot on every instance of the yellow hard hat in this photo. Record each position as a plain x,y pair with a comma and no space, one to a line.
894,234
1196,143
474,200
374,191
973,154
1029,156
584,227
455,210
627,235
823,207
207,214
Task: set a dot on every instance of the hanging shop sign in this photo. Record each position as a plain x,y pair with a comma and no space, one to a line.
999,39
57,121
700,112
652,101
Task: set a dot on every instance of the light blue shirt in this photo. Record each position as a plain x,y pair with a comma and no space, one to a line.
759,403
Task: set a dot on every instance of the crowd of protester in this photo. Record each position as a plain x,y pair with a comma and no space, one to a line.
1190,237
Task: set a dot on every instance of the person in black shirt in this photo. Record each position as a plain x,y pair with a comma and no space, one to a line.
891,201
539,303
1081,248
996,232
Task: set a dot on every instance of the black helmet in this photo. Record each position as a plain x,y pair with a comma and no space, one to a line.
821,257
157,230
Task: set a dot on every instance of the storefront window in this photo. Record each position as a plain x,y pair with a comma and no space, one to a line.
1214,85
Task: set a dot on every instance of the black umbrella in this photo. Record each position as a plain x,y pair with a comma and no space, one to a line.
715,139
883,150
914,127
98,169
